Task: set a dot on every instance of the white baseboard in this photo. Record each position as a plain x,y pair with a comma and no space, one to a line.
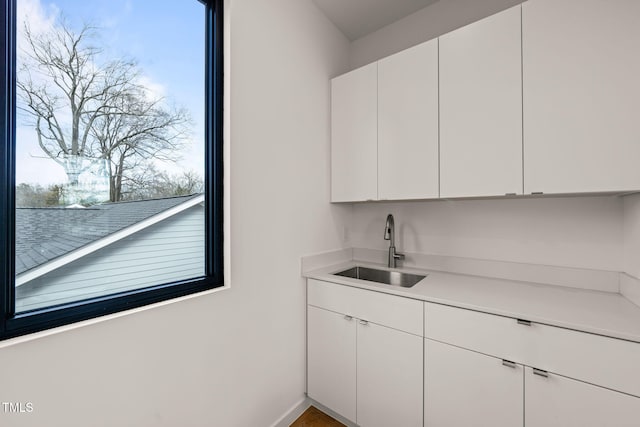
331,413
292,414
298,409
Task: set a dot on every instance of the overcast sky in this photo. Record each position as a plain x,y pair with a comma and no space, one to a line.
165,37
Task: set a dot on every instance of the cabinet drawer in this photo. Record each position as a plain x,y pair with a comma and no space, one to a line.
556,401
596,359
496,336
604,361
395,312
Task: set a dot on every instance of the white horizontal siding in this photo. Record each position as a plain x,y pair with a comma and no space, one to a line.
166,252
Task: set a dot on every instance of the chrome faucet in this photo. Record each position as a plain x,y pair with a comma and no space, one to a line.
390,235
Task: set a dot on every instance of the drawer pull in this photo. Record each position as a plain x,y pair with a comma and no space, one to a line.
364,322
347,317
540,373
508,363
524,322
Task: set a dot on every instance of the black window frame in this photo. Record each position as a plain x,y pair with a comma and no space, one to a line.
12,324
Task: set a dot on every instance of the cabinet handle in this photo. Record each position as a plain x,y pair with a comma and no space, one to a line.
540,373
509,194
537,193
347,317
508,363
364,322
524,322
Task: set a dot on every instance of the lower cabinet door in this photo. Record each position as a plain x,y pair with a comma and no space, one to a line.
556,401
465,388
331,360
390,377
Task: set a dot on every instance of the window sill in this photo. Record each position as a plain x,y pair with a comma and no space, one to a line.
65,328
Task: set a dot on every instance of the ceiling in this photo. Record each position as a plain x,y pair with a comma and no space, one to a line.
357,18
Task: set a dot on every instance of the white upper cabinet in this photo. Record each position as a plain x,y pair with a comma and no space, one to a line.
481,108
408,124
540,98
354,135
581,92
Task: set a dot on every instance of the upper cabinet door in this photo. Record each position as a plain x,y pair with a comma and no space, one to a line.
481,108
354,141
408,124
581,95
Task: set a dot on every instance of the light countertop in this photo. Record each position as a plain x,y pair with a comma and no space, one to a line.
603,313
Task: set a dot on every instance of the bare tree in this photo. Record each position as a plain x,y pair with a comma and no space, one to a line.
135,130
150,183
85,111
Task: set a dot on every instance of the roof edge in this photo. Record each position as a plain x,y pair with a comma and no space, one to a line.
87,249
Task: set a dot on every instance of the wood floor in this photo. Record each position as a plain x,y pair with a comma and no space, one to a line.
313,417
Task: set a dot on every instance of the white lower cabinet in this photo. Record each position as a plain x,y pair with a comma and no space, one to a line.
389,391
571,378
556,401
382,360
331,360
465,388
360,363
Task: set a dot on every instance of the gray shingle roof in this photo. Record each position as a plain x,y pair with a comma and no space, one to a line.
43,234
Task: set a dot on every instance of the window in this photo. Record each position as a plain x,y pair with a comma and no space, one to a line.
111,152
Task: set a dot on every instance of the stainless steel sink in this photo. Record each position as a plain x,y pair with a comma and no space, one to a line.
394,278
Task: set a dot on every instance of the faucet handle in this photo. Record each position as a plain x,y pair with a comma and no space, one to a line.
398,256
388,228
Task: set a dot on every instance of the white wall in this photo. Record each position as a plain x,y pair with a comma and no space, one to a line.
235,357
582,232
425,24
